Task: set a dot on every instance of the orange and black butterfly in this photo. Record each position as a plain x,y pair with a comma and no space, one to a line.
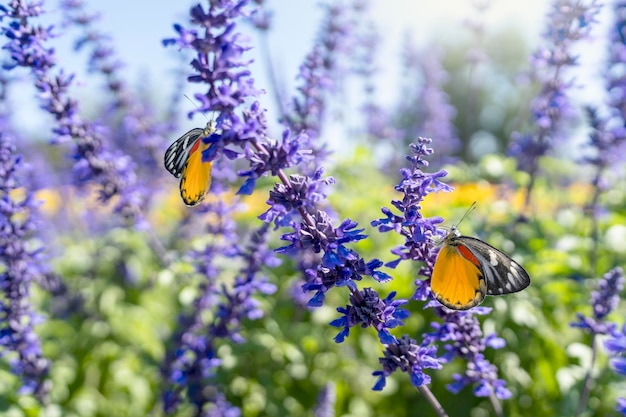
183,159
468,269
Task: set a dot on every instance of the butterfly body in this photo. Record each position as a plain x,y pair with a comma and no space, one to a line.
468,269
183,159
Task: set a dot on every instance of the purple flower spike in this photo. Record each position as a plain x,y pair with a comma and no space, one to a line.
568,23
419,232
366,309
604,300
112,170
405,354
462,337
20,265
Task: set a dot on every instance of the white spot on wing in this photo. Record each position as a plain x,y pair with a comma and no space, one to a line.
493,259
513,269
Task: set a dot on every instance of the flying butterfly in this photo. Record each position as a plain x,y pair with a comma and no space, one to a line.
183,159
468,269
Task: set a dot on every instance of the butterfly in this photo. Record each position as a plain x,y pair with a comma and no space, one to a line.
183,159
468,269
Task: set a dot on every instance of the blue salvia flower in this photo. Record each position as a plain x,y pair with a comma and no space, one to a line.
113,171
366,309
325,406
569,21
616,346
408,356
220,64
318,79
604,300
419,232
21,265
315,231
460,334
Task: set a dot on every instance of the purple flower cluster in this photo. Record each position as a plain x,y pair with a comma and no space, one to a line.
112,170
616,346
605,147
460,334
462,337
604,300
408,356
569,21
326,399
20,265
190,367
417,230
321,71
220,64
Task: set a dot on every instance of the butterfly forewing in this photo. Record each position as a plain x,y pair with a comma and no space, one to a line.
502,274
177,154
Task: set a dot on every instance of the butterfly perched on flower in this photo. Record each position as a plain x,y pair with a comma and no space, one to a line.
468,269
183,159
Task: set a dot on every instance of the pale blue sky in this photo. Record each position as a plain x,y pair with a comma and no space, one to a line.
138,26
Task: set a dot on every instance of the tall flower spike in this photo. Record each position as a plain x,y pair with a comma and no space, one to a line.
220,64
569,22
140,134
417,230
604,300
428,111
460,334
113,171
321,71
20,265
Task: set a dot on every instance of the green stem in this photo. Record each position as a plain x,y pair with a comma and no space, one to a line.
584,395
495,403
432,400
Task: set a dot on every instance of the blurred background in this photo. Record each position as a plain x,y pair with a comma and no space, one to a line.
115,296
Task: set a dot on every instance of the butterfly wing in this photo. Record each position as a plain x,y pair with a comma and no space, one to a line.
502,274
195,181
177,154
183,159
457,281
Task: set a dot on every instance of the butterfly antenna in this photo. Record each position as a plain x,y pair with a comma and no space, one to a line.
467,212
211,121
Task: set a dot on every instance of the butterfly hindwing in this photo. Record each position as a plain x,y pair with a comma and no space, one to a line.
503,274
195,181
457,282
183,159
